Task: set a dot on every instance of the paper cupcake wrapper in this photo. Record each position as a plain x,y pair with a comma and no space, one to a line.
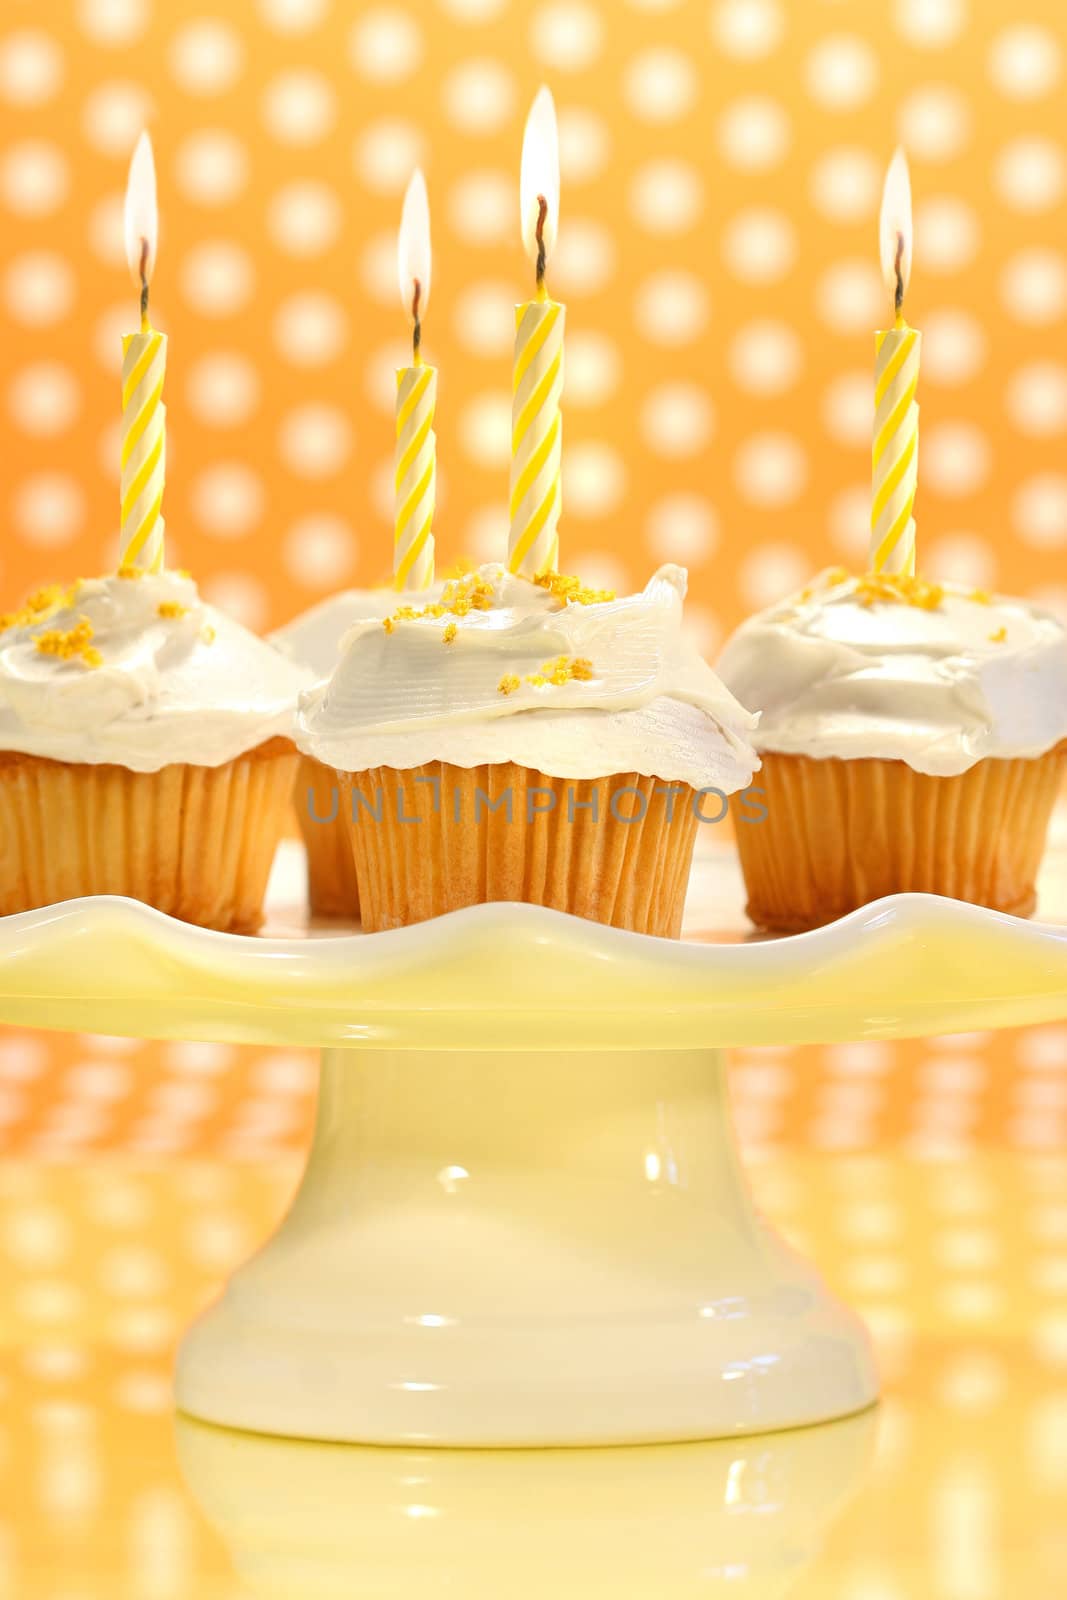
631,874
333,890
195,842
839,834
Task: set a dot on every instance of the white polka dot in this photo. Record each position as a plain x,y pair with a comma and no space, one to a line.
677,420
770,469
387,153
934,122
483,207
379,374
1029,174
49,509
841,72
671,308
754,134
765,357
1039,511
39,288
385,46
310,329
200,1057
1033,286
207,57
566,36
44,399
31,68
222,388
473,12
930,24
848,408
113,22
211,166
304,218
108,333
956,458
485,428
299,107
1036,399
747,29
315,440
289,17
850,297
660,85
1024,62
954,347
217,278
594,478
228,500
320,550
584,145
683,527
594,368
846,184
666,196
584,258
960,558
770,572
106,230
378,270
486,536
484,319
479,97
759,245
34,178
947,235
101,1080
239,595
113,116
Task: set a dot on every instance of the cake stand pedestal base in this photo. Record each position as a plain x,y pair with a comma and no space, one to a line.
520,1249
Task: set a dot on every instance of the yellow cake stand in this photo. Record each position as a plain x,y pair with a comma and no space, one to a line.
523,1220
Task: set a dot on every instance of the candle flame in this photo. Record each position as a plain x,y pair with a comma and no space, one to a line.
539,181
141,217
895,228
413,255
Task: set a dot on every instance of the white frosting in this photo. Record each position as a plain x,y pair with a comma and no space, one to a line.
313,638
651,705
195,688
940,689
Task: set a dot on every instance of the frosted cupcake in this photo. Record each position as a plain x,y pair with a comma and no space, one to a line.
913,737
531,740
145,750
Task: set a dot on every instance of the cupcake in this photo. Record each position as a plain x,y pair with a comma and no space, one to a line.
145,750
913,736
312,641
527,740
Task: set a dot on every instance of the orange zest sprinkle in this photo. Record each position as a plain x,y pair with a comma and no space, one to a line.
128,571
572,590
981,597
450,633
74,644
508,683
899,588
38,607
999,637
554,674
208,634
172,609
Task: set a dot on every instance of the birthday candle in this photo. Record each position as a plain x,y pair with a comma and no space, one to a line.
144,364
416,398
895,453
537,376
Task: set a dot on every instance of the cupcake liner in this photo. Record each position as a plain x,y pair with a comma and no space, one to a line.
553,851
839,834
333,890
196,842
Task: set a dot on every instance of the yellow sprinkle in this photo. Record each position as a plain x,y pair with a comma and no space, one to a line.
40,605
75,644
208,634
172,609
899,588
127,571
1000,636
450,633
508,683
388,624
572,590
981,597
837,575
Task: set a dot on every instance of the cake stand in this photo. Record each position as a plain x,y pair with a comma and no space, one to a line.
523,1219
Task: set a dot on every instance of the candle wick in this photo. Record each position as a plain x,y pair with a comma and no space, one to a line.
144,284
898,268
416,335
542,255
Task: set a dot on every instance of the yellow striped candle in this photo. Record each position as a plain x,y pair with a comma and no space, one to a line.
416,399
537,376
144,363
895,452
